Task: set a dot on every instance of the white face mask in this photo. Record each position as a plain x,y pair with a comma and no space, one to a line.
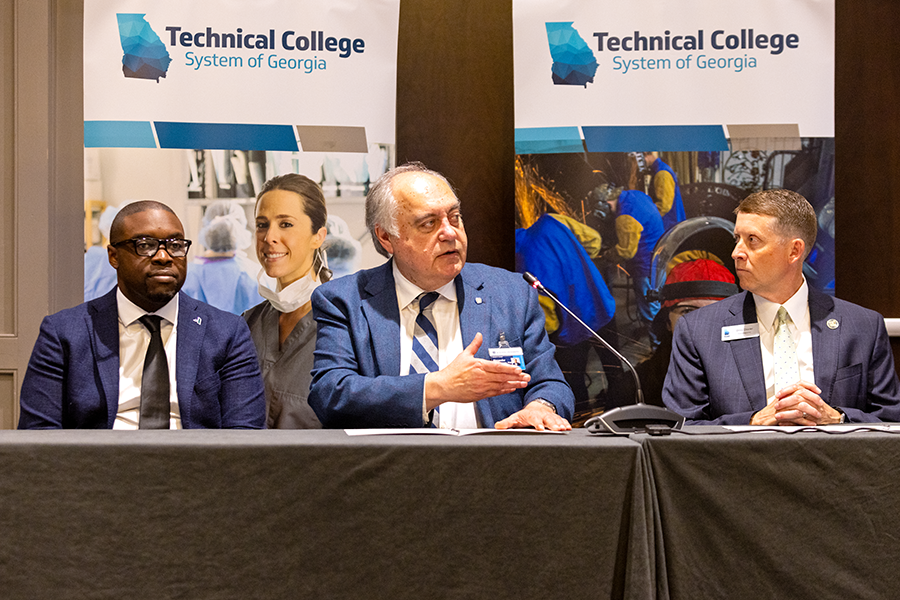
290,298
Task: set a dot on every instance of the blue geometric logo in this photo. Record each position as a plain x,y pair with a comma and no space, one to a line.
146,56
573,61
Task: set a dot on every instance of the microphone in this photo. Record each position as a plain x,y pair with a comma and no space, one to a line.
623,420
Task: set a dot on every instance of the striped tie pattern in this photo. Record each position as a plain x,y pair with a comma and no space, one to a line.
787,369
425,340
424,357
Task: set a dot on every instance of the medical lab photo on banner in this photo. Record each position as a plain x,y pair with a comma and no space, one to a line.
197,103
640,126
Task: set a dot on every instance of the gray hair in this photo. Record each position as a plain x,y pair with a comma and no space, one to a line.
381,205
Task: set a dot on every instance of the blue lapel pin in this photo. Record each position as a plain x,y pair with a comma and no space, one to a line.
198,321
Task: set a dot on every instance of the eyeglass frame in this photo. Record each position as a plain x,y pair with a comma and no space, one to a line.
160,243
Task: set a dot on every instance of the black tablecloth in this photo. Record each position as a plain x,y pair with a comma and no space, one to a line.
769,515
315,514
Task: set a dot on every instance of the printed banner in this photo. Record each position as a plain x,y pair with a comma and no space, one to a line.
640,126
282,75
702,65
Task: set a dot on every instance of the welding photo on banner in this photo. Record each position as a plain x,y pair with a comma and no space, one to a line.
606,232
640,126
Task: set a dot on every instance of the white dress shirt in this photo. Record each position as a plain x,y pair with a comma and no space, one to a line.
134,339
453,415
797,308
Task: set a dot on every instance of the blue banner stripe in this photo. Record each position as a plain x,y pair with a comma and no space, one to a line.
118,134
547,133
669,138
548,147
226,136
548,140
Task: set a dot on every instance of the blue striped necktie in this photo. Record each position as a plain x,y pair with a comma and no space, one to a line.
424,357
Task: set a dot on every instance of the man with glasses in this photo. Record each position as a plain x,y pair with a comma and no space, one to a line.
143,355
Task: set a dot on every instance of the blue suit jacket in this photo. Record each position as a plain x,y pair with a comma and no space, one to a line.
714,382
356,381
72,380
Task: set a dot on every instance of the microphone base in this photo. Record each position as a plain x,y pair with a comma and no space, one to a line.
626,420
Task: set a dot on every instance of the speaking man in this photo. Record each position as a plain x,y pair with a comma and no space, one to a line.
410,343
143,355
780,353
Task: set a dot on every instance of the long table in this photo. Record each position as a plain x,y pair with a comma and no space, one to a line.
316,514
770,515
277,514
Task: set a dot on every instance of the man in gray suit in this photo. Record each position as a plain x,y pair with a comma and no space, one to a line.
780,353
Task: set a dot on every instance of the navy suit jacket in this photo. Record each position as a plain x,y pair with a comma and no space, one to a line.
356,381
714,382
72,381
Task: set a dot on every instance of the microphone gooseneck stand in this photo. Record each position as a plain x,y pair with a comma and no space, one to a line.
623,420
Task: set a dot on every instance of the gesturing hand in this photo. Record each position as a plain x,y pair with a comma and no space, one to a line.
468,379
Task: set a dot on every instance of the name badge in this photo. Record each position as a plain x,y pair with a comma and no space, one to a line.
511,356
740,332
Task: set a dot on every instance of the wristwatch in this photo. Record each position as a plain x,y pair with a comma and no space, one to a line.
549,405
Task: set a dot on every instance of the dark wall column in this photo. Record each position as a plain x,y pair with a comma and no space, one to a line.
455,111
867,146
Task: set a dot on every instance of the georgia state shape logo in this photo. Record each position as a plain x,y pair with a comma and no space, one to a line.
573,61
146,56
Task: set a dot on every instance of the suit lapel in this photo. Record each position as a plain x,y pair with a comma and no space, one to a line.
474,310
474,316
825,342
383,316
746,352
102,321
192,323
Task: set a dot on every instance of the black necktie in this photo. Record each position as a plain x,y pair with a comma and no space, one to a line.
155,380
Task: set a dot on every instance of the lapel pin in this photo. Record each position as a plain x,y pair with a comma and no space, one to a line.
198,321
478,300
832,323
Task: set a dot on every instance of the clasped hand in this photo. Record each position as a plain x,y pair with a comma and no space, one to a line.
797,404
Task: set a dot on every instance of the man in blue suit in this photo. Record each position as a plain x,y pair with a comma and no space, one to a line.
367,370
88,364
780,353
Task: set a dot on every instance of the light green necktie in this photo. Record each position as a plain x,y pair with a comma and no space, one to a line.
787,369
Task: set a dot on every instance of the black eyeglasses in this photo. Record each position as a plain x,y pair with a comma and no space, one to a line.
148,246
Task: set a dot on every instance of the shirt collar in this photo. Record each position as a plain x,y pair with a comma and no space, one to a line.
796,306
407,291
129,312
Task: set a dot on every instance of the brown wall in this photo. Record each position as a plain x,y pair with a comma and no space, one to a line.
455,111
867,146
